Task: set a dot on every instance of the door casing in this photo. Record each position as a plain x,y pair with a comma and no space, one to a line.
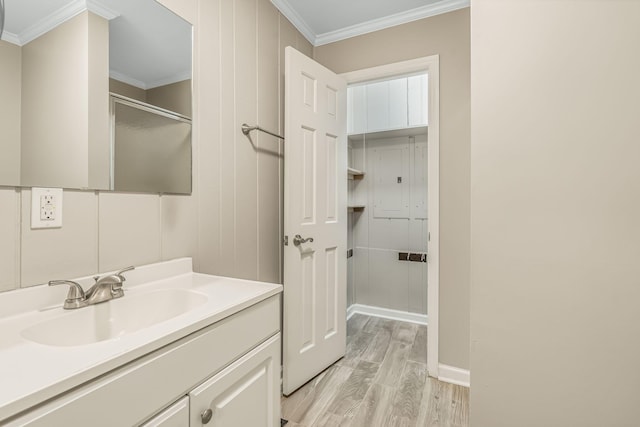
430,64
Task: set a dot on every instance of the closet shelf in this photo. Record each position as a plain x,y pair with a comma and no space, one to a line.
355,208
355,173
390,133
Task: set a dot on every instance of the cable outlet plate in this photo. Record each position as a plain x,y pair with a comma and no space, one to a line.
46,208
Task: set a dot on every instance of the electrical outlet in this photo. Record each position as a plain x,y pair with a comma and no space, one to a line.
46,207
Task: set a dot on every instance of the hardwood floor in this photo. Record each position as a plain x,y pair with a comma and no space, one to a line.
382,381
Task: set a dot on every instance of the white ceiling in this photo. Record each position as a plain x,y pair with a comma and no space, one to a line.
149,45
327,21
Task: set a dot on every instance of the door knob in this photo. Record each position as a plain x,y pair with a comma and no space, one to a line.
206,416
297,240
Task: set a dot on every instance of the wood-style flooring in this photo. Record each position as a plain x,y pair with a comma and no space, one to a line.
382,381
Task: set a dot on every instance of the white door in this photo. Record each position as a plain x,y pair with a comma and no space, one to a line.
315,271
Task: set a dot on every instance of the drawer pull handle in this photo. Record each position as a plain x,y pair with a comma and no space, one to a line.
206,416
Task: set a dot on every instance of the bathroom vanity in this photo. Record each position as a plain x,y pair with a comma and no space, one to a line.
179,349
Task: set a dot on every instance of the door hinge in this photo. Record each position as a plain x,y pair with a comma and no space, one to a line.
286,240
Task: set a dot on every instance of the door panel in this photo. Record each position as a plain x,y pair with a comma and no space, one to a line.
315,208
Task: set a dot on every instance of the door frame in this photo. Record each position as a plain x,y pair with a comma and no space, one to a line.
430,64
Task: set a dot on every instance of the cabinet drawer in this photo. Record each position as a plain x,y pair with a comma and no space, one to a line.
176,415
133,392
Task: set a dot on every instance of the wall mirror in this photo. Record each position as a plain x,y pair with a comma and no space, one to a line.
95,94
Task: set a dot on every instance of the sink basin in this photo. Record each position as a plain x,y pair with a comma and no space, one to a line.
115,318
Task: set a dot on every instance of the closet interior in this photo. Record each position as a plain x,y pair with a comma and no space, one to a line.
388,216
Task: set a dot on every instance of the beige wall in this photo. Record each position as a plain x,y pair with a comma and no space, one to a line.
555,304
124,89
175,97
64,103
448,36
99,155
54,106
10,100
152,153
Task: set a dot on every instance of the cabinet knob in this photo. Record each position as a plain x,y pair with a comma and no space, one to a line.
206,416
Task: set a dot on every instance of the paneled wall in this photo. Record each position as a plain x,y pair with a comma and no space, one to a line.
240,211
231,223
101,232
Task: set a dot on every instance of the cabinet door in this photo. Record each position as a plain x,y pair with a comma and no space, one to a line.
397,104
176,415
246,393
357,109
418,100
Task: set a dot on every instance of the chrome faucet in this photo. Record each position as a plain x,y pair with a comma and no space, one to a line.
104,289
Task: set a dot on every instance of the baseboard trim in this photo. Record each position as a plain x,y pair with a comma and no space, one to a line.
453,375
387,313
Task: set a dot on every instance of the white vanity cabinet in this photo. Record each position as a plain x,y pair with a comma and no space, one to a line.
231,366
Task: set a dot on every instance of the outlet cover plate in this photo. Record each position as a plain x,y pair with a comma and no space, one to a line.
37,196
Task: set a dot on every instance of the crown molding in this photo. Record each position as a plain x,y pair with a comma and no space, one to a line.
10,38
170,80
101,10
49,22
60,16
297,21
116,75
427,11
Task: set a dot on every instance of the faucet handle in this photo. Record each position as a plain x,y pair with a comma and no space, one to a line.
119,273
118,285
76,295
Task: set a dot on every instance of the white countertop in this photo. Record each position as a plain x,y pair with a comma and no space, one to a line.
31,373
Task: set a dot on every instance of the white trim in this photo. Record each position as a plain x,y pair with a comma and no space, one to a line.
453,375
431,64
10,38
422,12
179,77
386,313
58,17
290,13
433,213
116,75
48,23
100,9
426,11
